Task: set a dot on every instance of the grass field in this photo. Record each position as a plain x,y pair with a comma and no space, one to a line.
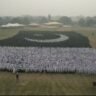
7,33
75,39
88,32
47,84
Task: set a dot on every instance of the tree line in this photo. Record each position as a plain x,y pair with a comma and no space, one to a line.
86,21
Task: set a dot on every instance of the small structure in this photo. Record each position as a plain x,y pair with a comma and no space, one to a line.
12,25
67,26
34,25
54,24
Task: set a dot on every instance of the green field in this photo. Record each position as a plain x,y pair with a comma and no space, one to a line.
88,32
18,39
8,33
47,84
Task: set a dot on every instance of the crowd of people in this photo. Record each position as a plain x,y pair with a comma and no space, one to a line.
36,59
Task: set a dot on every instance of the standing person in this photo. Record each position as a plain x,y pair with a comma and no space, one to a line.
17,76
94,83
14,70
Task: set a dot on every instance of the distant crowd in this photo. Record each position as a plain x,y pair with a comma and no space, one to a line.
34,59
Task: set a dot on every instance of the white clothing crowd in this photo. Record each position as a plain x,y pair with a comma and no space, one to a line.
35,59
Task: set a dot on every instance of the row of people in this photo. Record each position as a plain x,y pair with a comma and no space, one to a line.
82,60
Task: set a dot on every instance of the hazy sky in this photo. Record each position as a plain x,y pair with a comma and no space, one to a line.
45,7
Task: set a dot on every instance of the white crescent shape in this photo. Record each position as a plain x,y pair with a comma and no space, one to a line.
61,38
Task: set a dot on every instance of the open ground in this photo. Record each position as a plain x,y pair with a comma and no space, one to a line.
48,84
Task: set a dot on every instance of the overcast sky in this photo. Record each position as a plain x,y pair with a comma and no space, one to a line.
45,7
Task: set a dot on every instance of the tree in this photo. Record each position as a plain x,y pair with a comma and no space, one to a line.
1,21
65,20
89,21
49,17
43,20
82,22
16,20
